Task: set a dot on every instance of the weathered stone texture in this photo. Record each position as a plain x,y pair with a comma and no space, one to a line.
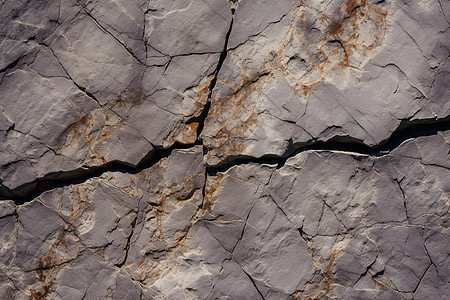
214,149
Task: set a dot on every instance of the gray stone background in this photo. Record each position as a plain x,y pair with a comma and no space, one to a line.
213,149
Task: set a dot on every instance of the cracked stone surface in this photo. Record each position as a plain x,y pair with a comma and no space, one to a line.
298,72
224,149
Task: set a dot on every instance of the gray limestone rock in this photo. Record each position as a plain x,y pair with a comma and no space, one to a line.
224,149
106,83
298,72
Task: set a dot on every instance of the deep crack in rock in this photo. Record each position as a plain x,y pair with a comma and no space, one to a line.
172,150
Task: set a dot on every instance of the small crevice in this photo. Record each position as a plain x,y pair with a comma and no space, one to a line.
202,118
421,278
81,88
29,191
367,271
12,65
254,283
127,247
407,130
403,197
85,91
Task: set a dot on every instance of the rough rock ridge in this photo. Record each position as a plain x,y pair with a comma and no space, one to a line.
214,149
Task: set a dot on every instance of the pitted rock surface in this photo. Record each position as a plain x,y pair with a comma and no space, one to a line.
224,149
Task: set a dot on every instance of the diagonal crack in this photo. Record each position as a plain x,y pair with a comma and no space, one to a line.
129,51
253,282
202,118
398,182
127,247
406,130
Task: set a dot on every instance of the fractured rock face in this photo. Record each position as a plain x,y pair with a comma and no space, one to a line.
106,83
224,149
116,221
298,72
326,223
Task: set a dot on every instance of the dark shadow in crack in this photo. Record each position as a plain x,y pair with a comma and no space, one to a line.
29,191
406,130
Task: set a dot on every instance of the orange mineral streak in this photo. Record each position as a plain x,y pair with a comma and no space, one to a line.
62,249
322,285
48,267
236,115
211,189
328,272
185,132
79,202
92,133
316,47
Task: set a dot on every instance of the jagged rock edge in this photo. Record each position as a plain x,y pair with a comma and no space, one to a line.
29,191
406,130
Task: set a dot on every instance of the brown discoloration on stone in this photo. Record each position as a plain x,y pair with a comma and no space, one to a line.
163,241
357,29
317,47
185,132
49,265
79,203
362,31
328,272
92,133
236,115
211,189
63,248
202,94
320,285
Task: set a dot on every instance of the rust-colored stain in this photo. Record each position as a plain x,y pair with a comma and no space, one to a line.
320,286
236,115
344,39
316,47
211,190
180,240
185,132
161,246
182,133
52,262
80,201
93,132
47,267
203,92
328,272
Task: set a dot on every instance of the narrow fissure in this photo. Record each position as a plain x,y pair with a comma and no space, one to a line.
212,85
29,191
127,247
407,129
51,181
414,129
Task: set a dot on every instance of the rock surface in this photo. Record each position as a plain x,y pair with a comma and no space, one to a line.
214,149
